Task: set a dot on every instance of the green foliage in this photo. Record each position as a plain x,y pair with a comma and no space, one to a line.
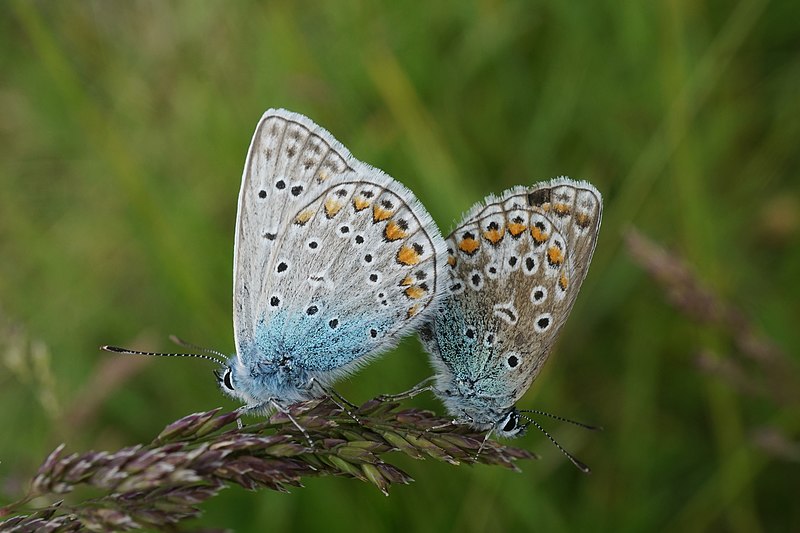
124,129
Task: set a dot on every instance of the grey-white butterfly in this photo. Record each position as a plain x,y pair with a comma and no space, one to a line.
516,264
334,261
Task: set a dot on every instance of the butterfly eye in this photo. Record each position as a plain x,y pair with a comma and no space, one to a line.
226,379
511,423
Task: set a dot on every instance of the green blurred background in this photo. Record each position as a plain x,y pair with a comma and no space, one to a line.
124,129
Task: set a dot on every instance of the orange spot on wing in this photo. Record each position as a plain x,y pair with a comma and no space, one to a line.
516,229
561,210
380,214
494,235
562,281
415,292
413,310
583,220
408,255
555,256
451,260
360,203
332,207
538,235
469,245
303,217
394,231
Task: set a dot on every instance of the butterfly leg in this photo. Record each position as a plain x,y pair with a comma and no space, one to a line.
454,422
272,403
335,398
465,421
246,410
483,443
285,411
331,392
419,388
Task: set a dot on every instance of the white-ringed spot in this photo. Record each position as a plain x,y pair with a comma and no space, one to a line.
512,360
542,322
475,280
538,295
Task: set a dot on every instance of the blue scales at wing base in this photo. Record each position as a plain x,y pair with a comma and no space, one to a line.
291,349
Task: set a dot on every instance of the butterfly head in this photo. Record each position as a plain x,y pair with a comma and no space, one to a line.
264,381
232,381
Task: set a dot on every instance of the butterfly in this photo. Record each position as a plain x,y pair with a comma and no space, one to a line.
515,265
334,262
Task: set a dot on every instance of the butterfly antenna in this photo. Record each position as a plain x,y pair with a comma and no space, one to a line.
186,344
562,419
126,351
579,464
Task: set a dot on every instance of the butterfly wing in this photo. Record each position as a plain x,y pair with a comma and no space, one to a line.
334,260
516,264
